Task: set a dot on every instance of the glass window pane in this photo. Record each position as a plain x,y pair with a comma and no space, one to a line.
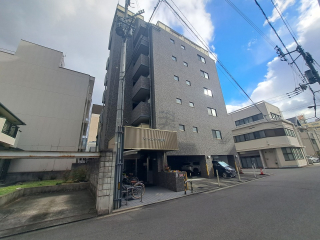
181,127
195,129
188,83
209,111
191,104
209,93
214,112
205,91
183,47
218,133
242,138
214,134
290,155
176,78
178,100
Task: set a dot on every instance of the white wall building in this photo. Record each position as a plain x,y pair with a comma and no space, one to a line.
53,101
262,137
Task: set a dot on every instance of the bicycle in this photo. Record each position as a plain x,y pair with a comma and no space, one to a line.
133,186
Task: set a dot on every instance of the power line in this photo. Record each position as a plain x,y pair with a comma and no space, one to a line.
254,26
285,22
218,61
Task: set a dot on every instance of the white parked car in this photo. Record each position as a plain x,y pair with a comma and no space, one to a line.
313,159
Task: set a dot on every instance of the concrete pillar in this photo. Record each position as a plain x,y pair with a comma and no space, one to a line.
262,159
105,188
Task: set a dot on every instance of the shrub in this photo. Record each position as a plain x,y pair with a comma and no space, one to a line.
79,174
66,175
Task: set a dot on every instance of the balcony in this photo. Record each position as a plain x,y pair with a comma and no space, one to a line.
142,47
141,89
141,114
141,29
141,67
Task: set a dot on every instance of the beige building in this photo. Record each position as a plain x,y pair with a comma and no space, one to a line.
310,139
93,127
264,139
53,101
312,125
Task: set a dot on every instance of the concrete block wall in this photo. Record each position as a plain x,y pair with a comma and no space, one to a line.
105,187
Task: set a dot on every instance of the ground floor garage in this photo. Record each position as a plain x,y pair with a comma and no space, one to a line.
198,165
273,158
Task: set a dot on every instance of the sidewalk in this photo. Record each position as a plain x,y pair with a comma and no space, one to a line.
156,194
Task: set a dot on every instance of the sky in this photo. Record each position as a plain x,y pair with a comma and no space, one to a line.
80,29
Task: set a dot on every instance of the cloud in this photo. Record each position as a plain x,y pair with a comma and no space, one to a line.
282,6
193,10
281,79
250,43
80,28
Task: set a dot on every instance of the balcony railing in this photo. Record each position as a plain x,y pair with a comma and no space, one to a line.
141,29
140,114
142,47
141,89
141,67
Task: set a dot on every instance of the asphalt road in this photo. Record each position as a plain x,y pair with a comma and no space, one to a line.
283,206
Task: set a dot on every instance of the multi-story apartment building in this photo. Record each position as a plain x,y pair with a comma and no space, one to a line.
53,101
171,85
264,139
93,127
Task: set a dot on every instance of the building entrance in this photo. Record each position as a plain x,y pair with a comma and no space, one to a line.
141,167
248,162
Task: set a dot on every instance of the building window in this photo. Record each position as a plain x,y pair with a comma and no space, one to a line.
204,74
174,58
183,47
212,112
171,40
207,92
195,129
249,119
176,78
276,132
216,134
191,104
181,127
202,59
178,100
289,132
291,154
185,64
275,116
188,83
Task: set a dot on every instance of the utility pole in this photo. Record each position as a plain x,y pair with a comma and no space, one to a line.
124,29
